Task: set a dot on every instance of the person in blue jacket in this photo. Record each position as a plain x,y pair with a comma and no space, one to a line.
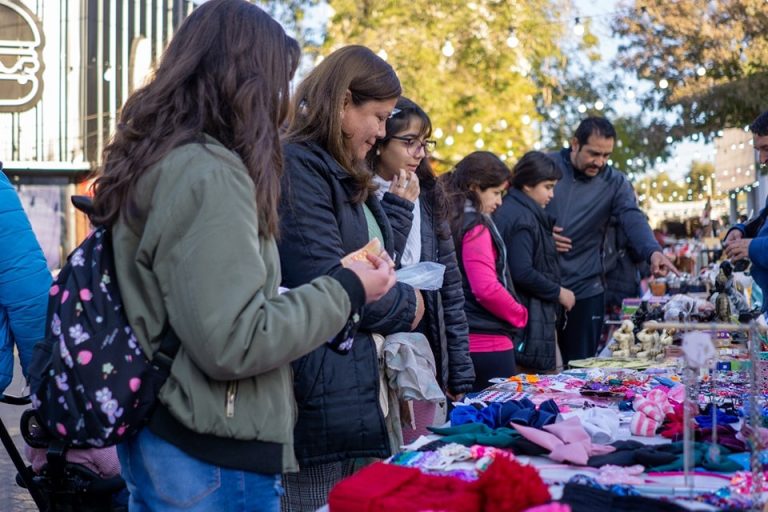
751,240
24,284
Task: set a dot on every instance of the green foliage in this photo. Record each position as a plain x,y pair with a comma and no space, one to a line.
292,15
517,78
713,56
700,179
640,144
486,94
660,188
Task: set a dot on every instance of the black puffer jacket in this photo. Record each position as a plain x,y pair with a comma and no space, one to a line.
537,281
337,395
444,324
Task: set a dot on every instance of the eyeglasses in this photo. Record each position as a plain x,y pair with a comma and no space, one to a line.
413,144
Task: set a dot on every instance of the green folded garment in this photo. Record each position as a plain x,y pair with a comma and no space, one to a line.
701,459
477,433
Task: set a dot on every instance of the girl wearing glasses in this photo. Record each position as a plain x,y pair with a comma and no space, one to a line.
403,173
495,315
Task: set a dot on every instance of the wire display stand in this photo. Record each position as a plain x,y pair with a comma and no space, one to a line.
754,415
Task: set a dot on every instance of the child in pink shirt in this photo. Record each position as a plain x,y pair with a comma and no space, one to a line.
494,314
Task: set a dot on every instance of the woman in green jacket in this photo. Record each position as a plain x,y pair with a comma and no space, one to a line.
189,187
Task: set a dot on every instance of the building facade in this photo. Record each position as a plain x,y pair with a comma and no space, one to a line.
737,174
66,67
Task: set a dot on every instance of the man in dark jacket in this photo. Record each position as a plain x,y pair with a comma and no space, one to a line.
590,192
750,240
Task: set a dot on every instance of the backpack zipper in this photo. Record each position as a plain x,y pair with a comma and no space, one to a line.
231,396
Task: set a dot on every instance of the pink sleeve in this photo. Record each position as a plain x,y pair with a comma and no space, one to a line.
479,258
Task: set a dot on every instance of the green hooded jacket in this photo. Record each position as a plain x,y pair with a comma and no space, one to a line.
191,254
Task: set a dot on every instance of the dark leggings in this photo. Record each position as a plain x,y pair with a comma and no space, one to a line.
579,338
492,364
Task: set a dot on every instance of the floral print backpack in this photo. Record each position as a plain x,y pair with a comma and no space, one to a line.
92,385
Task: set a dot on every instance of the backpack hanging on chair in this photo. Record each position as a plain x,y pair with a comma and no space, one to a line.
92,385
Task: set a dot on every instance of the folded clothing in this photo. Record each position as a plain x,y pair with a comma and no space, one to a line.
664,457
382,487
477,433
611,475
584,498
601,424
567,441
500,414
705,419
506,486
726,436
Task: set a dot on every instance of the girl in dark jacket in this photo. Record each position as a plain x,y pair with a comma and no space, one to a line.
403,170
526,229
327,211
494,314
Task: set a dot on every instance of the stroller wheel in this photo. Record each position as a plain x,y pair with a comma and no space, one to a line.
20,481
33,431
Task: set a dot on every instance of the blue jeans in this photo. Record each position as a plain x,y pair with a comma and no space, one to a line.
163,478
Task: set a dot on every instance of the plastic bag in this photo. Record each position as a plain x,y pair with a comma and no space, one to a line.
426,275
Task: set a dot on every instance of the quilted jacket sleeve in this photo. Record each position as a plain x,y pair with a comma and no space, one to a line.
24,284
311,243
461,372
400,214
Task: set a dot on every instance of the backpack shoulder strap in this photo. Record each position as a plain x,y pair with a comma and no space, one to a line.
162,358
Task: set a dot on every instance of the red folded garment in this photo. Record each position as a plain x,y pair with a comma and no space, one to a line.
384,487
506,486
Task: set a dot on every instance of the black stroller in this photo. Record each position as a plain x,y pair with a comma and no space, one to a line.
61,486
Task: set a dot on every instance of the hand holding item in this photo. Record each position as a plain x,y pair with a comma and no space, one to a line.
562,243
374,268
738,248
661,266
405,184
376,275
373,247
735,234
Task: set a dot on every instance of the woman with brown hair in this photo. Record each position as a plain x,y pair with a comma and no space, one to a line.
494,313
327,210
189,190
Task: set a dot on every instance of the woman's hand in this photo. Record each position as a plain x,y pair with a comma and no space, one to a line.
405,184
376,280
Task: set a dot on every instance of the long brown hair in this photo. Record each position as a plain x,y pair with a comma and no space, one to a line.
320,98
407,110
226,73
481,169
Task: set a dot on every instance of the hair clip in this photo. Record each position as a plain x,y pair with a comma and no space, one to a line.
394,112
